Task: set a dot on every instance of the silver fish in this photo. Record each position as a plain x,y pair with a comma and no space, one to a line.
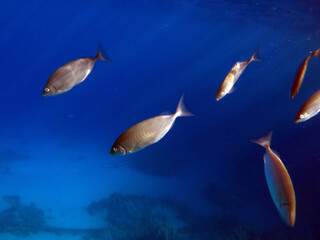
309,109
279,182
70,75
147,132
234,74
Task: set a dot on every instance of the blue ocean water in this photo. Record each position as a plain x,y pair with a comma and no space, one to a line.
204,179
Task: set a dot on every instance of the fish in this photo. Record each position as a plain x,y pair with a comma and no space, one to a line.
301,72
234,74
148,131
71,74
279,182
309,109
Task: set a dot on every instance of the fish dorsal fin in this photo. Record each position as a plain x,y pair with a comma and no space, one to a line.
165,113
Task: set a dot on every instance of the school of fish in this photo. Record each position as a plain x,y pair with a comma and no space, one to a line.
152,130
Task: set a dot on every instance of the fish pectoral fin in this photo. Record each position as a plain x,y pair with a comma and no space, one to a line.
233,89
86,74
284,204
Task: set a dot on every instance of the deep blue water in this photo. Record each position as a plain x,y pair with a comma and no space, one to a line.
54,151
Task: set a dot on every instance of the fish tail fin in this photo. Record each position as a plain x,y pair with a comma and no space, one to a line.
182,109
255,56
263,141
102,55
316,53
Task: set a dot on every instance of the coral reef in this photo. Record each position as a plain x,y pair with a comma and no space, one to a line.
237,233
20,219
134,217
141,217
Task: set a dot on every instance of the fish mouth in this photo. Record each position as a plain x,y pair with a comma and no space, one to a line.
298,119
49,91
113,152
292,218
45,94
120,151
291,222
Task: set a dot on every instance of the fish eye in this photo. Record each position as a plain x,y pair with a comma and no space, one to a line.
305,115
115,149
47,90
